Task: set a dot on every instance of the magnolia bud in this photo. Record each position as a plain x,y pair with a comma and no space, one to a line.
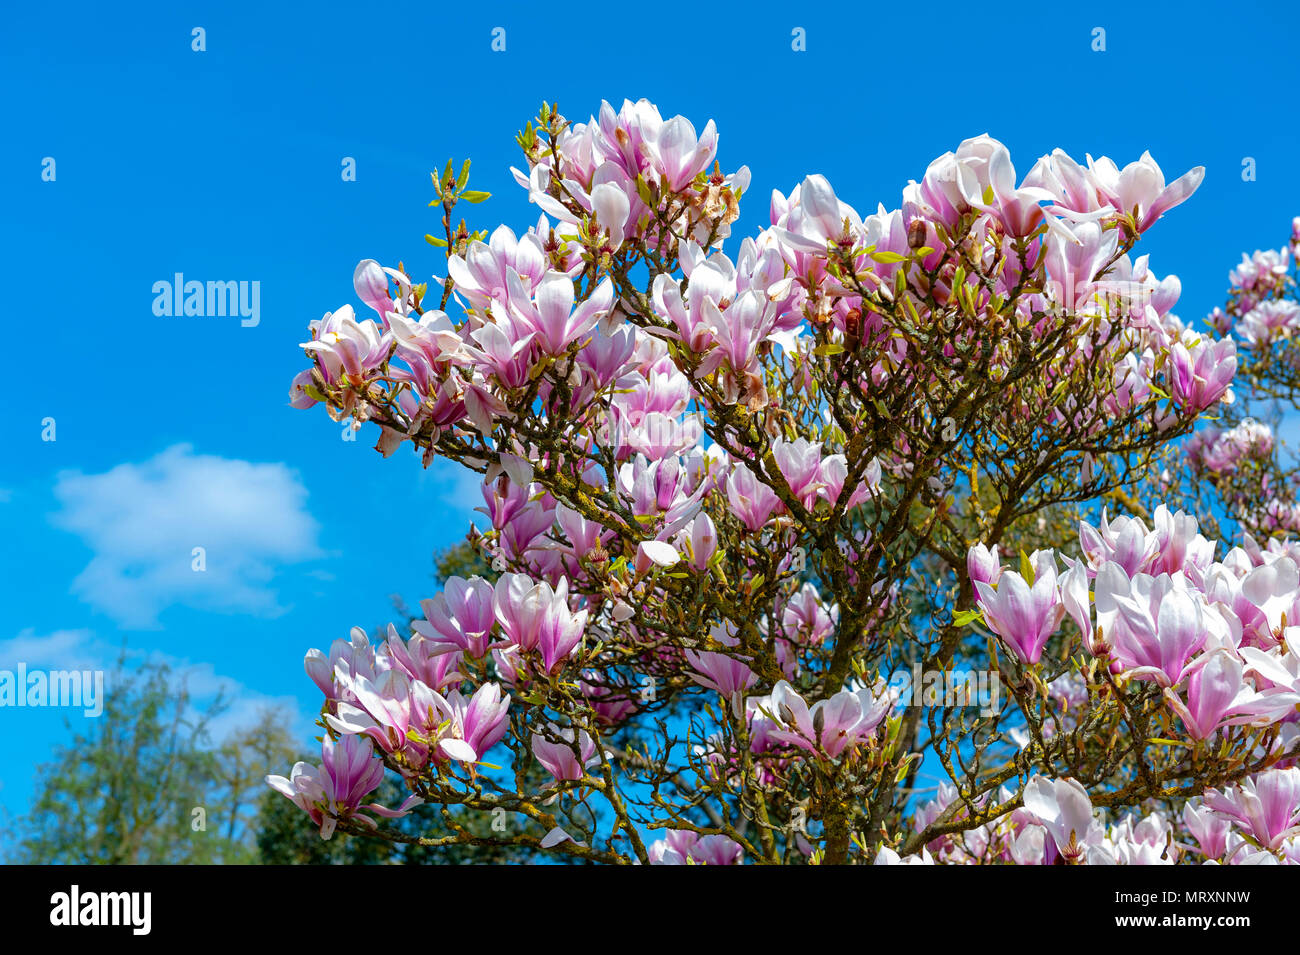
704,541
916,234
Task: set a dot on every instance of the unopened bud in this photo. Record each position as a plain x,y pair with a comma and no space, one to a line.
916,234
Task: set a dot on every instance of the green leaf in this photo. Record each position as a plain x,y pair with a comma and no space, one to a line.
1026,569
830,348
475,196
464,176
888,258
433,240
964,618
903,767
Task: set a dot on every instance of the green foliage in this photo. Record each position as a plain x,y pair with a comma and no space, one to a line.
125,790
462,560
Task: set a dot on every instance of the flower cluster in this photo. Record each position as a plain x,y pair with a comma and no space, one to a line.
1254,823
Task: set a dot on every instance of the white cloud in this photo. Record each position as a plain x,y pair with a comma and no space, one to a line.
243,706
83,650
60,650
143,522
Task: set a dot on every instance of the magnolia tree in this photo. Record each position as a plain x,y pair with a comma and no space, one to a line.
749,515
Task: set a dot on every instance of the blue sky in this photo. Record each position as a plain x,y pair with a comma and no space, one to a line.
175,432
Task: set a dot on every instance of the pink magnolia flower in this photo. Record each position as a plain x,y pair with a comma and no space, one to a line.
1063,808
678,155
1023,616
433,662
302,390
1179,545
371,284
1075,192
1209,829
344,347
536,617
1139,188
382,711
1276,674
739,330
613,700
834,725
1267,805
333,791
427,344
1270,321
1077,602
683,847
1159,624
461,616
474,725
1216,690
982,565
549,311
720,671
1075,255
1273,589
751,500
346,658
1125,540
1201,374
562,757
504,350
1262,271
835,471
811,217
480,276
800,463
989,162
804,618
1147,842
703,541
606,355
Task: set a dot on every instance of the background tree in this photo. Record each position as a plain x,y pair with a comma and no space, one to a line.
124,789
